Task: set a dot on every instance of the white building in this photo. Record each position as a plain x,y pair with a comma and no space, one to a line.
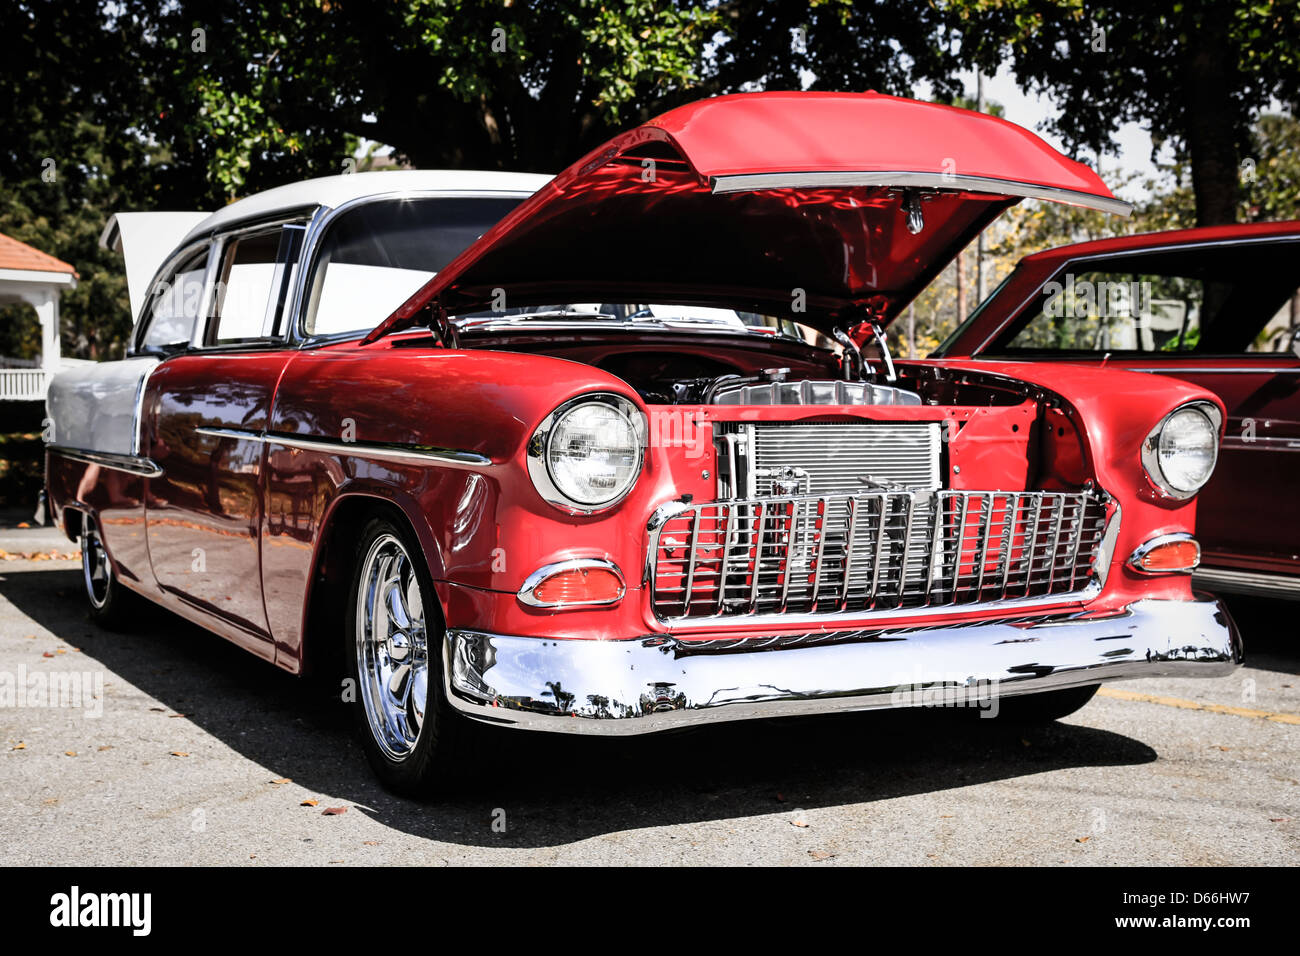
31,276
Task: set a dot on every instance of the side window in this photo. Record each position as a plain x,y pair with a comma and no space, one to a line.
174,303
1233,298
255,275
1114,312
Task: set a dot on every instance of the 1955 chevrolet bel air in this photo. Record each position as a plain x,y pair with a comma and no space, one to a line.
625,450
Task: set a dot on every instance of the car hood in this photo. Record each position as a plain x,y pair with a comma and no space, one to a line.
829,208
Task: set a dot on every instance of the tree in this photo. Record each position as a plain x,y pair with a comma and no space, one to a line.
833,45
66,98
1196,74
137,104
252,95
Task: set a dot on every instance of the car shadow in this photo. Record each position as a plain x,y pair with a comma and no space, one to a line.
556,789
1268,632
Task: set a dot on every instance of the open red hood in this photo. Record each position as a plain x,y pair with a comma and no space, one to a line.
747,201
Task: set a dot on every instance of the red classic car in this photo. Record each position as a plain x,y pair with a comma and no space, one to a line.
1219,307
637,456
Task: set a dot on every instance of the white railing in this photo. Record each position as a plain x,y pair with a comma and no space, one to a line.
24,384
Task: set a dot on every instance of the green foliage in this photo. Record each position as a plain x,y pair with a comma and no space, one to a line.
188,105
1196,75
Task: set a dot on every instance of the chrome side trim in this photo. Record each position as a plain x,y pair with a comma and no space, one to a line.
1135,559
1257,583
357,449
657,682
133,464
748,182
527,593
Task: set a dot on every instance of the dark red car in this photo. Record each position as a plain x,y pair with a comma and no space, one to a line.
1219,307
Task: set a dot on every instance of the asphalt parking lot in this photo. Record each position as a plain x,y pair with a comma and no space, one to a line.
204,755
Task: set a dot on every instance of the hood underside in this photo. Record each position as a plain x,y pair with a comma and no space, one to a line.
828,208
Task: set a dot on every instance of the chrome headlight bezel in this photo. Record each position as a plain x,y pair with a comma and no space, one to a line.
1151,450
539,469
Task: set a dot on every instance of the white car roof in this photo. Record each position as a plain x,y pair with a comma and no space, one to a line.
333,191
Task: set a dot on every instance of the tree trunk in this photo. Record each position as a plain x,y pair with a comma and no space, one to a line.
961,290
1211,120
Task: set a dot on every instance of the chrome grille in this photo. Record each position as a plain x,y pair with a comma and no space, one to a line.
875,551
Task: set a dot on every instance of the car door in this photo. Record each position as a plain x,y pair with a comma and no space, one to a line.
1246,517
1223,315
206,410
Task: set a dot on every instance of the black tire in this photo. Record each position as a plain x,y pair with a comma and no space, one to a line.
383,724
1046,707
111,605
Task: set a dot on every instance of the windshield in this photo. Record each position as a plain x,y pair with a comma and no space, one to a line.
376,255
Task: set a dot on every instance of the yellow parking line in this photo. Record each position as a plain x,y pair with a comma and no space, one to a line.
1280,718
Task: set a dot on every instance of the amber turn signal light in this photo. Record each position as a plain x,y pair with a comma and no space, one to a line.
1167,554
573,583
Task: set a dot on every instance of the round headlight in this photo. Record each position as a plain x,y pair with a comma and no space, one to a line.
587,453
1181,452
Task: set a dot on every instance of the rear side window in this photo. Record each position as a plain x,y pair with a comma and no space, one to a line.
376,255
174,303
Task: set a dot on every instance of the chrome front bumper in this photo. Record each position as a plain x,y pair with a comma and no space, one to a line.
658,683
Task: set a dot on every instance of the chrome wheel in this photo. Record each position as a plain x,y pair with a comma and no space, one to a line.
94,564
392,647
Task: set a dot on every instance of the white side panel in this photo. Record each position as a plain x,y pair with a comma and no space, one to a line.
145,240
94,407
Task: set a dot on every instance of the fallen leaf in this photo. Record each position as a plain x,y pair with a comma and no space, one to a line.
333,811
47,654
1082,839
802,824
1279,819
309,803
1025,742
19,746
338,861
70,753
370,843
177,715
946,816
179,753
158,709
820,855
61,650
22,524
106,747
282,780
